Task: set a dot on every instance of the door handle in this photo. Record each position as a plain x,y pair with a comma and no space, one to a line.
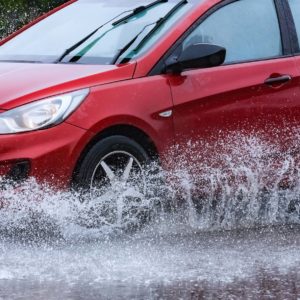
280,80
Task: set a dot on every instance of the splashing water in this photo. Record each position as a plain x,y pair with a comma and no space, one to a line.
247,190
46,250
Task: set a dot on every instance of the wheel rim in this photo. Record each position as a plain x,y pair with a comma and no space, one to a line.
117,190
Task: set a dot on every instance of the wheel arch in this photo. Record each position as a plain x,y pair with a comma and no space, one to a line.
129,131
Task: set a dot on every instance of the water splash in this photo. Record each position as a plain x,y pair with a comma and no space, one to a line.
248,188
246,182
175,250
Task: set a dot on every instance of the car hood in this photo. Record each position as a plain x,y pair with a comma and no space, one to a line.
21,83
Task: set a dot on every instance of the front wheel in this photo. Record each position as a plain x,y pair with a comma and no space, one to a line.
113,179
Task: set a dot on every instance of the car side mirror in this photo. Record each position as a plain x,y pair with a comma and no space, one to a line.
196,56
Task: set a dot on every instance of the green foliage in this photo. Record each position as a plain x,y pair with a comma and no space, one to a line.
16,13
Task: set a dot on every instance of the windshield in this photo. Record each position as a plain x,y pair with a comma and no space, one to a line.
47,40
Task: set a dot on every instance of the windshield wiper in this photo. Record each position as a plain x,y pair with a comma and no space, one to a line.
127,46
138,10
135,11
148,35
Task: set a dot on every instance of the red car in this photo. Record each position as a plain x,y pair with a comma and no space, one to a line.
94,90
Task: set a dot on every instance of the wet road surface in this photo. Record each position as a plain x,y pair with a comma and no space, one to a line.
161,262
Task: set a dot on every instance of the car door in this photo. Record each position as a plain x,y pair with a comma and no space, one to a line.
250,105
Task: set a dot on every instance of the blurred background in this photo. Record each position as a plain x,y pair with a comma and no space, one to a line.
16,13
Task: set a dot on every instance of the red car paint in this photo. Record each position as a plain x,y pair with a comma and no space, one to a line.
225,98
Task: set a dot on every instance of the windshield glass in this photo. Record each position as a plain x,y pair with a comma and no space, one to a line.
47,40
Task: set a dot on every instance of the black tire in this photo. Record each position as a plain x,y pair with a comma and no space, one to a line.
113,151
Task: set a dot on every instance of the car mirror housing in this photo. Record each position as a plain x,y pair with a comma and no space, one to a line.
196,56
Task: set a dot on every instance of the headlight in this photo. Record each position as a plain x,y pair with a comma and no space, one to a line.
41,114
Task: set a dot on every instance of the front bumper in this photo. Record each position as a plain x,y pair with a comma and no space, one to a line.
49,155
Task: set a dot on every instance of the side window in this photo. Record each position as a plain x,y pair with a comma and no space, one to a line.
295,7
248,29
